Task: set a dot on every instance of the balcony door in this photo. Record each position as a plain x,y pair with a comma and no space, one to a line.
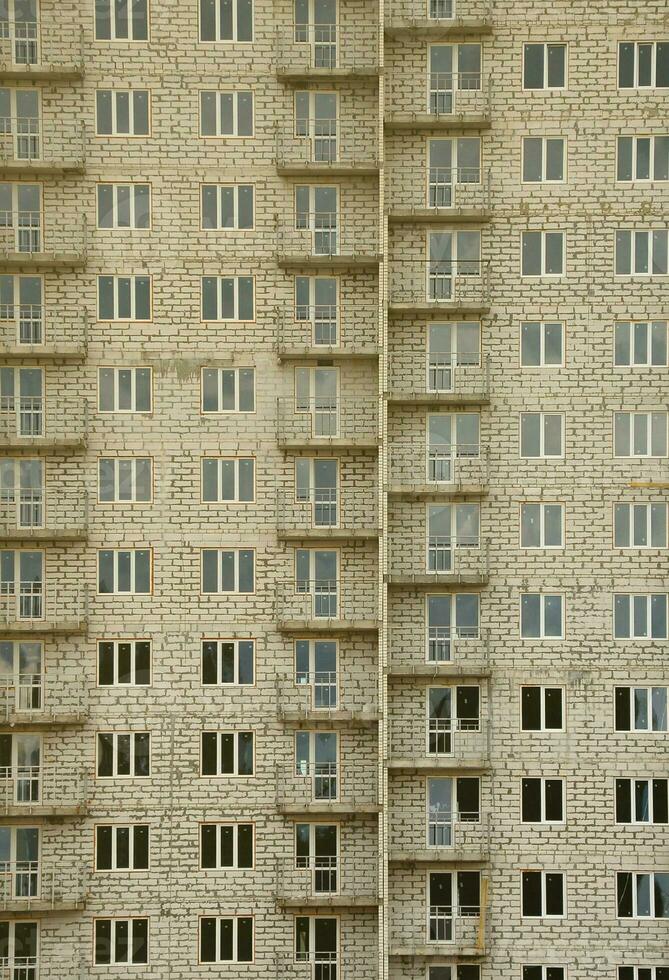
316,392
20,768
22,493
19,122
316,301
22,399
316,26
316,850
316,576
316,943
22,583
19,862
316,758
21,217
316,484
316,213
450,346
21,673
449,438
316,121
19,26
451,255
316,666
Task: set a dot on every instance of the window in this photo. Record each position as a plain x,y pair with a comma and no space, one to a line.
123,754
451,710
451,346
22,400
121,941
450,618
317,303
542,800
451,895
640,344
229,390
316,213
541,435
19,941
641,709
228,570
317,395
542,525
228,479
22,303
124,389
121,20
22,674
122,113
124,571
226,845
21,862
316,486
452,68
452,162
450,526
317,853
451,254
544,973
22,491
642,895
22,584
125,479
543,894
226,663
641,253
640,525
643,973
316,667
544,159
640,434
124,206
643,64
316,118
124,663
122,848
463,971
541,616
228,298
226,206
542,709
542,253
20,121
226,20
316,756
124,297
21,216
544,66
316,575
542,344
226,114
451,438
642,801
227,754
638,617
451,800
317,942
643,158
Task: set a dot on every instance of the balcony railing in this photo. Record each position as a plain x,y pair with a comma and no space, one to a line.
32,417
40,697
416,376
466,648
450,188
34,512
324,143
459,830
441,467
56,53
320,694
27,885
458,925
312,878
326,601
350,327
31,327
327,235
43,606
461,740
440,282
50,787
302,786
23,232
23,141
327,510
323,418
450,11
327,48
451,96
322,965
453,556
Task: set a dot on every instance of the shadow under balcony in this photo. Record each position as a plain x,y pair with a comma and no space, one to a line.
320,699
335,331
327,147
28,53
457,195
444,380
327,423
323,240
325,883
459,745
324,606
41,609
327,51
327,514
448,561
438,287
456,839
38,887
31,332
42,701
324,789
440,19
35,423
28,151
26,242
42,791
39,515
455,102
441,473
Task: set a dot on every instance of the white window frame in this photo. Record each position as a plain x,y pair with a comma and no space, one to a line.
130,39
635,156
542,324
635,897
219,477
546,87
217,18
632,598
219,188
636,87
542,797
542,505
235,93
649,434
235,774
631,326
133,572
544,969
542,688
133,410
542,615
132,205
219,299
631,692
543,914
219,641
133,662
544,157
133,460
115,827
133,299
652,970
228,411
632,506
235,824
130,920
542,274
115,737
115,134
542,435
633,232
235,941
633,780
220,551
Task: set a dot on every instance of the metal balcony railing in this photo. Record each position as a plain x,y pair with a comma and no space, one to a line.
328,143
456,11
350,326
23,231
47,786
463,740
320,965
325,784
464,647
40,697
304,879
439,281
26,885
459,556
459,830
321,693
416,374
30,510
56,52
464,188
31,326
323,600
19,41
40,604
324,417
23,141
451,95
34,417
459,925
446,467
327,47
327,235
327,510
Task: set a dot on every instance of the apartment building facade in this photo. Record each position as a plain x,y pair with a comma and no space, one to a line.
333,473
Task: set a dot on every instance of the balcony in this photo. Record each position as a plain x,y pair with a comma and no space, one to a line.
28,151
46,791
461,931
35,423
454,194
32,332
327,606
29,887
447,560
441,379
30,53
441,651
457,743
24,241
455,838
321,788
39,609
327,51
327,423
456,101
442,471
438,18
39,700
342,330
37,515
439,286
320,697
325,240
327,513
333,147
325,883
